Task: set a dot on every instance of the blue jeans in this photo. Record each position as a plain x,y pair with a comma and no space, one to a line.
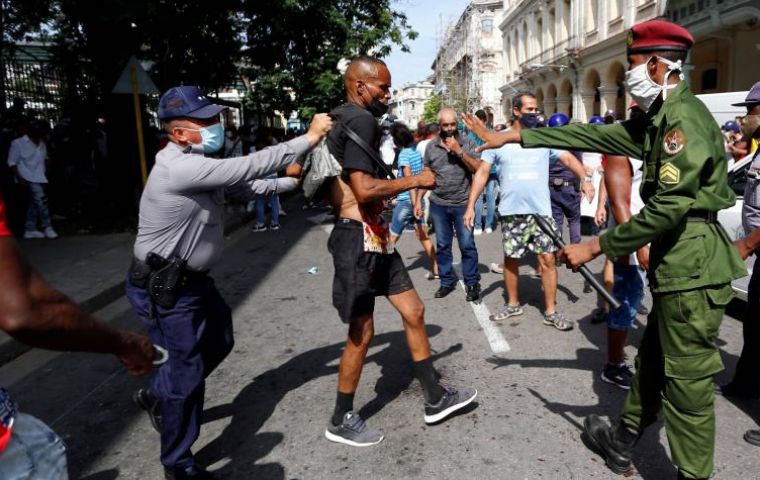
445,221
629,291
34,452
38,214
490,194
403,215
274,205
197,332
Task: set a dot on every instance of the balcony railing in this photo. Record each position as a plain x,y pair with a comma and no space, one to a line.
550,55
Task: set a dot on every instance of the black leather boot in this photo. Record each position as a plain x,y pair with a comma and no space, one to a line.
614,442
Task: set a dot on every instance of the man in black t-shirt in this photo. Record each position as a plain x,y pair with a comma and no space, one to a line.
366,262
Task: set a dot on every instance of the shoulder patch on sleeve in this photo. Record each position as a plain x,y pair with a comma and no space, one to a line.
670,174
674,141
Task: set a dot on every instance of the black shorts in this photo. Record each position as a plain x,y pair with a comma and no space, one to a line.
361,276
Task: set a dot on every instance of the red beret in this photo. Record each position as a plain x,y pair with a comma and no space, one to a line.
658,35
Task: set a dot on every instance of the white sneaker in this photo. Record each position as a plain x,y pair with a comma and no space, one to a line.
478,231
489,230
33,234
50,233
497,268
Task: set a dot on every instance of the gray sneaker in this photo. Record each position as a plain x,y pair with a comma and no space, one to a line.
451,401
505,312
558,321
353,431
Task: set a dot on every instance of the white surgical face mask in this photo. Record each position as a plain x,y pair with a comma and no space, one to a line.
643,89
212,137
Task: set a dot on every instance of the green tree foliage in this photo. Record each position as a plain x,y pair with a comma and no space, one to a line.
20,19
431,108
285,51
294,47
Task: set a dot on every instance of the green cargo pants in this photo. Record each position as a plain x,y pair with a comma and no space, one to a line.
674,372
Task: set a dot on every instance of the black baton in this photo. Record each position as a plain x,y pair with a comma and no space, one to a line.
583,269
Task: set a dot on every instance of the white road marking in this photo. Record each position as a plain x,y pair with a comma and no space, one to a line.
494,336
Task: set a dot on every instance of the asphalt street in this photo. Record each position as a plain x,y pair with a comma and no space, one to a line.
267,405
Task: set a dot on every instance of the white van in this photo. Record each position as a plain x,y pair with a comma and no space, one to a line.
719,105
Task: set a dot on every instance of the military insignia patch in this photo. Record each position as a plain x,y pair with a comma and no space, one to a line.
674,141
670,174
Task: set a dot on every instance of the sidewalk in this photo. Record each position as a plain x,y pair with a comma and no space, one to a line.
90,269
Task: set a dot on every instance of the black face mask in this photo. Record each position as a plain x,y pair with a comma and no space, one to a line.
529,120
444,134
377,108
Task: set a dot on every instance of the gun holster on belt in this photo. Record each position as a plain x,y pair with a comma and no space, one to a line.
166,282
163,279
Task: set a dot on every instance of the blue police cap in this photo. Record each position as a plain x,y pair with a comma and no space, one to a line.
558,120
732,126
186,101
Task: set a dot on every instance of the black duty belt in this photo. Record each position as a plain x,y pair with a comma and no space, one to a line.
139,271
557,182
701,216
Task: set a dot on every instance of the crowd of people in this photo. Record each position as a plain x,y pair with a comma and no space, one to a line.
665,179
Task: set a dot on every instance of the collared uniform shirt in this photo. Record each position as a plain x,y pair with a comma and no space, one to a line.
182,205
751,206
684,170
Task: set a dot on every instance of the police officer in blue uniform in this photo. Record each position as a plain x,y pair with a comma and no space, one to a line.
179,239
746,381
565,189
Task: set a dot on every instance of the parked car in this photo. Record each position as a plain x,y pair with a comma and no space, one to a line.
731,218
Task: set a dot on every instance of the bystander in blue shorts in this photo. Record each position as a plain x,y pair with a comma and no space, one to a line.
34,452
629,290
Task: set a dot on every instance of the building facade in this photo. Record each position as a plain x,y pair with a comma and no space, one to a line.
408,102
469,63
726,52
572,53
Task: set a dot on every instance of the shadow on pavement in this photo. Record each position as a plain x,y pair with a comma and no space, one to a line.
650,458
111,474
92,426
252,407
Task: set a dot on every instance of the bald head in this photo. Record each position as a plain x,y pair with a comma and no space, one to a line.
368,81
364,69
447,115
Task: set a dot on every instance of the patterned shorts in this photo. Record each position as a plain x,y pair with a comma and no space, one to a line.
521,234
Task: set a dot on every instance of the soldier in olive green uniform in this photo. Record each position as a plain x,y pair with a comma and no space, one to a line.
692,260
